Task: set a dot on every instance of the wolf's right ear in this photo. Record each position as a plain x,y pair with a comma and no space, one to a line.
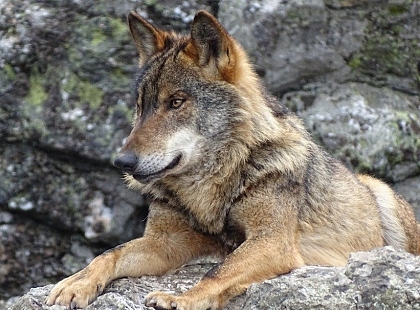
148,39
212,47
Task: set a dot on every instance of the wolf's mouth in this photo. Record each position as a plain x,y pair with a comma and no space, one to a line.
144,178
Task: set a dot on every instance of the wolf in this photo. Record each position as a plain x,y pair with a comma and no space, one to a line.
232,173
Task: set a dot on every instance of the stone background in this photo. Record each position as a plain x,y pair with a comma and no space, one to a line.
349,68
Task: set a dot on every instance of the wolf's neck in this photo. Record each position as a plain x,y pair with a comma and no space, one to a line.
207,195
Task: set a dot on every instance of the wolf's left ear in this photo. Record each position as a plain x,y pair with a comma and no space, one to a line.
148,39
212,47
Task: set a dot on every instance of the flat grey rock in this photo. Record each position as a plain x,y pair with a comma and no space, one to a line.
383,278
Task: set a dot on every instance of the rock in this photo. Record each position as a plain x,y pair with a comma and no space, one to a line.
410,190
373,130
68,194
380,279
5,305
296,42
30,253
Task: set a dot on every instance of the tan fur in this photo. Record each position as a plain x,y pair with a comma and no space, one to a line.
231,173
393,231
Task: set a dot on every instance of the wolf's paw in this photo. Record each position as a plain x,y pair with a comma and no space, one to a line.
163,301
76,291
159,300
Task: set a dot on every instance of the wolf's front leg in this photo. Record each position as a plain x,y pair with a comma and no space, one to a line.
78,290
167,244
255,260
138,257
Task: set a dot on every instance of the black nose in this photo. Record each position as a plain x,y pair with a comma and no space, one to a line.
126,161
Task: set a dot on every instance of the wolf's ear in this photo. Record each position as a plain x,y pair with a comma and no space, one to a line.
212,47
148,39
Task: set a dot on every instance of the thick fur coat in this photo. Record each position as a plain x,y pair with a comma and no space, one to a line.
231,173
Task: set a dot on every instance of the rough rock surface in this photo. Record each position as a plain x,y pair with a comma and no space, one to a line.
296,42
349,68
373,130
381,279
410,190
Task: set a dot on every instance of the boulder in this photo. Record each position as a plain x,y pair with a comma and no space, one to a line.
380,279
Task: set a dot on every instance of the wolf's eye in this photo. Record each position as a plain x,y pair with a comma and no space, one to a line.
177,103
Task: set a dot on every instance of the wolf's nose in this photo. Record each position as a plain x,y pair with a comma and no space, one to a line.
126,161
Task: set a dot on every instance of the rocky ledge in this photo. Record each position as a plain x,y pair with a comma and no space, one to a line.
380,279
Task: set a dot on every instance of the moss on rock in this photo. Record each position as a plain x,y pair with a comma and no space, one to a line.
87,93
37,93
390,47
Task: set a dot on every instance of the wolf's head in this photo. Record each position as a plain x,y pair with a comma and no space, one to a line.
194,99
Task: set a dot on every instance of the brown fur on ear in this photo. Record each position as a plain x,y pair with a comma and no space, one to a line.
211,47
148,39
